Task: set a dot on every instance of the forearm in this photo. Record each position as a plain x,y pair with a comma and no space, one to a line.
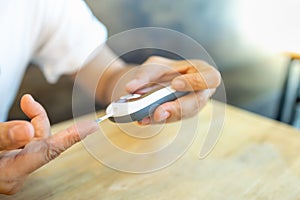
100,75
109,84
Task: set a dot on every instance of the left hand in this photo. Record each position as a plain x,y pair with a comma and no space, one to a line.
183,75
40,147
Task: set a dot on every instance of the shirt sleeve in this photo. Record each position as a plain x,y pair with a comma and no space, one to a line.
69,36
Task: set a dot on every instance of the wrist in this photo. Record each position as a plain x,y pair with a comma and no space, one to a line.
108,82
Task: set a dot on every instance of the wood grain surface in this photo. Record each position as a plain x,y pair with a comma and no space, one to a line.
255,158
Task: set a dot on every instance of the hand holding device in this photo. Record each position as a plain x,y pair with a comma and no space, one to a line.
135,107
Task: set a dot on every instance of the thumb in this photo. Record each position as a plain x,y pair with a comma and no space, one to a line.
136,84
208,79
41,152
149,73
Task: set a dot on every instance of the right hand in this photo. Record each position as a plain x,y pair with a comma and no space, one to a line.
195,76
39,146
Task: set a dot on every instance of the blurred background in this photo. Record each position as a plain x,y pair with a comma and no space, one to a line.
248,41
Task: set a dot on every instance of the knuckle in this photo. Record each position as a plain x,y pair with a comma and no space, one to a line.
202,99
152,59
157,59
193,109
197,78
53,151
194,104
216,77
73,136
176,109
203,96
199,63
210,80
196,81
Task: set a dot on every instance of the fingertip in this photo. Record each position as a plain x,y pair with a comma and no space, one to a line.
21,133
218,78
63,140
84,128
191,82
26,98
136,84
161,114
33,109
178,84
212,78
29,129
145,121
132,85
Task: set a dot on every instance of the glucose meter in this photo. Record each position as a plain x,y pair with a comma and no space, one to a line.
135,107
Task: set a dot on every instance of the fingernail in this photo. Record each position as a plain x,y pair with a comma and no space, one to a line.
17,133
30,97
132,85
178,84
132,82
145,121
163,115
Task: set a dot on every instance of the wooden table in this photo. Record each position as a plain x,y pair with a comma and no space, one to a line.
255,158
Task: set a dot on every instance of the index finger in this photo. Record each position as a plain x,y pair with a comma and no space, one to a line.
40,152
206,79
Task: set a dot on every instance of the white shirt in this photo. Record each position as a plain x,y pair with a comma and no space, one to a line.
58,35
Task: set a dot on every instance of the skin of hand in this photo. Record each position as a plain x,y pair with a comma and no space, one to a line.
195,76
184,75
26,146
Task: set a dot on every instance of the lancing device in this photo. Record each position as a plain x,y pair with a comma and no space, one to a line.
135,107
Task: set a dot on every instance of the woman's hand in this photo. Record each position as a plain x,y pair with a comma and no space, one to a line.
39,146
185,75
